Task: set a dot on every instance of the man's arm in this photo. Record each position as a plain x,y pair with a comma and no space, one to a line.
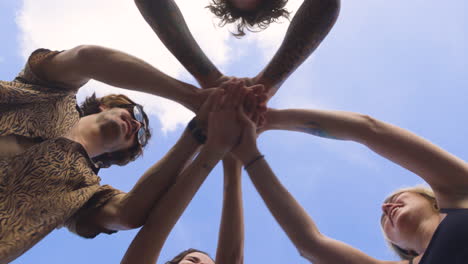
445,173
147,245
311,24
167,21
128,211
231,232
76,66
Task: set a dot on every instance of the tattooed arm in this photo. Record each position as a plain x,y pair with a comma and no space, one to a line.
167,21
308,28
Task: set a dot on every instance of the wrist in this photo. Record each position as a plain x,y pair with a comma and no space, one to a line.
250,155
271,119
253,161
217,150
197,131
189,92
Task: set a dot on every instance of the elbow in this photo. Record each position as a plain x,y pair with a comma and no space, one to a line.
310,245
89,53
327,8
333,9
128,220
370,127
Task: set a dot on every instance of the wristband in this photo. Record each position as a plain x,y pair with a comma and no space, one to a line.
250,163
196,131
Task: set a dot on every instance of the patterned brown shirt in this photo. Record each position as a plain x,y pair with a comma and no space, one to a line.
52,183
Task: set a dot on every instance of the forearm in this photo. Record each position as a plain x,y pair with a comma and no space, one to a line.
146,246
311,24
231,233
323,123
168,23
297,224
445,172
122,70
135,206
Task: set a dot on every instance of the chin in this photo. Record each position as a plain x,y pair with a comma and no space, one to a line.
110,132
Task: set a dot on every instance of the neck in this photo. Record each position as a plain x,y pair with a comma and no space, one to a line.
425,232
82,134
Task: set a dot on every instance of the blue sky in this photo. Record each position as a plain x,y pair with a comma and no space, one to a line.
399,61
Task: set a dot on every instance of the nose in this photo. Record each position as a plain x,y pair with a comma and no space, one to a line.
386,208
136,125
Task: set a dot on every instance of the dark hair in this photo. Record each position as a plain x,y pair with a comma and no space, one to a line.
184,253
267,12
122,157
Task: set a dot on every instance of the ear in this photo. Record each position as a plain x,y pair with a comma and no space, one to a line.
103,107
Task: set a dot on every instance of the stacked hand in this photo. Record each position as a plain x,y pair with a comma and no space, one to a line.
231,115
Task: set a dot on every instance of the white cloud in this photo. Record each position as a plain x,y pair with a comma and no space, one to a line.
118,24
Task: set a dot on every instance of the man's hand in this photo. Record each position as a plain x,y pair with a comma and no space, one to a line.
257,101
223,125
246,150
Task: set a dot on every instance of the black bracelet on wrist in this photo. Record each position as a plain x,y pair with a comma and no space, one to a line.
250,163
196,131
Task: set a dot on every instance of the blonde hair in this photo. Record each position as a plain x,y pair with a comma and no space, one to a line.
425,192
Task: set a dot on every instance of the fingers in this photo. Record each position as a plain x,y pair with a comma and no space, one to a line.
235,95
243,117
217,102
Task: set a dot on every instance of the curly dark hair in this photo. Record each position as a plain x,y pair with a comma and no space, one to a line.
122,157
184,253
267,12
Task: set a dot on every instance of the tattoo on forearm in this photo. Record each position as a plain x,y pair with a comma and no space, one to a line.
168,23
311,24
313,128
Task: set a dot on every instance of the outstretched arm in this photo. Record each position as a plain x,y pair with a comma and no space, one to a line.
168,23
294,220
147,245
445,173
231,232
311,24
75,67
298,225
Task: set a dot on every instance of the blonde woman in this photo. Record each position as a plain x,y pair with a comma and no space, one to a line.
411,221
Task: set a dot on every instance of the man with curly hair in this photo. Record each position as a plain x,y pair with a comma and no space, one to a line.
248,14
310,25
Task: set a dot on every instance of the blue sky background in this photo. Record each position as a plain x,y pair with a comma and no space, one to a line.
404,62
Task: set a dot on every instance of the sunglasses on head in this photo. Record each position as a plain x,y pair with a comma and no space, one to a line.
137,113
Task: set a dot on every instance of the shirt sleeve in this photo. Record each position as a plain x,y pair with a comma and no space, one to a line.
80,220
32,73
